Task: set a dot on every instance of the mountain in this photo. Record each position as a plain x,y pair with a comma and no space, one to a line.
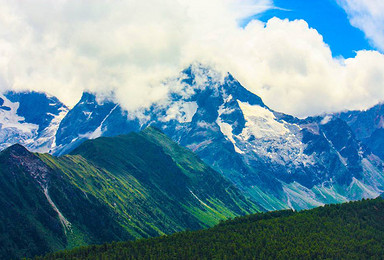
31,119
90,119
368,127
277,160
108,189
345,231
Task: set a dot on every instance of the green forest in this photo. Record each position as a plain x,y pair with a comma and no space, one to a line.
352,230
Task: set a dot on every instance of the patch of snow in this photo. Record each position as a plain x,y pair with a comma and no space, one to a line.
342,159
47,138
326,120
10,119
98,131
267,137
88,114
13,128
261,122
226,128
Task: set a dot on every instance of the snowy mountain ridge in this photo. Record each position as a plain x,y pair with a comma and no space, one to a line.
31,119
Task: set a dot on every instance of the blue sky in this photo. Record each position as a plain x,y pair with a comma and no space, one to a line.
328,18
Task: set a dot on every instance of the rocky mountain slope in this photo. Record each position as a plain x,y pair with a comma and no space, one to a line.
368,126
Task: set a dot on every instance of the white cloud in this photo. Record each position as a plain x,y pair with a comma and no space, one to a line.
128,47
292,69
367,15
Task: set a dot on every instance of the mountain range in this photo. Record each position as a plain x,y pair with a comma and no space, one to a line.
211,150
278,161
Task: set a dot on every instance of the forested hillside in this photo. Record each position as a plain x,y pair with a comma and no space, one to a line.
109,189
352,230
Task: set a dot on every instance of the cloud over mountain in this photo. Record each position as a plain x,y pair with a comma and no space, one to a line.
129,48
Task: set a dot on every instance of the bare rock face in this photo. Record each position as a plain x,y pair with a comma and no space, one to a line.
20,158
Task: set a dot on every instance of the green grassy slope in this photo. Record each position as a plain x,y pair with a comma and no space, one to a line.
29,225
109,189
353,230
170,177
